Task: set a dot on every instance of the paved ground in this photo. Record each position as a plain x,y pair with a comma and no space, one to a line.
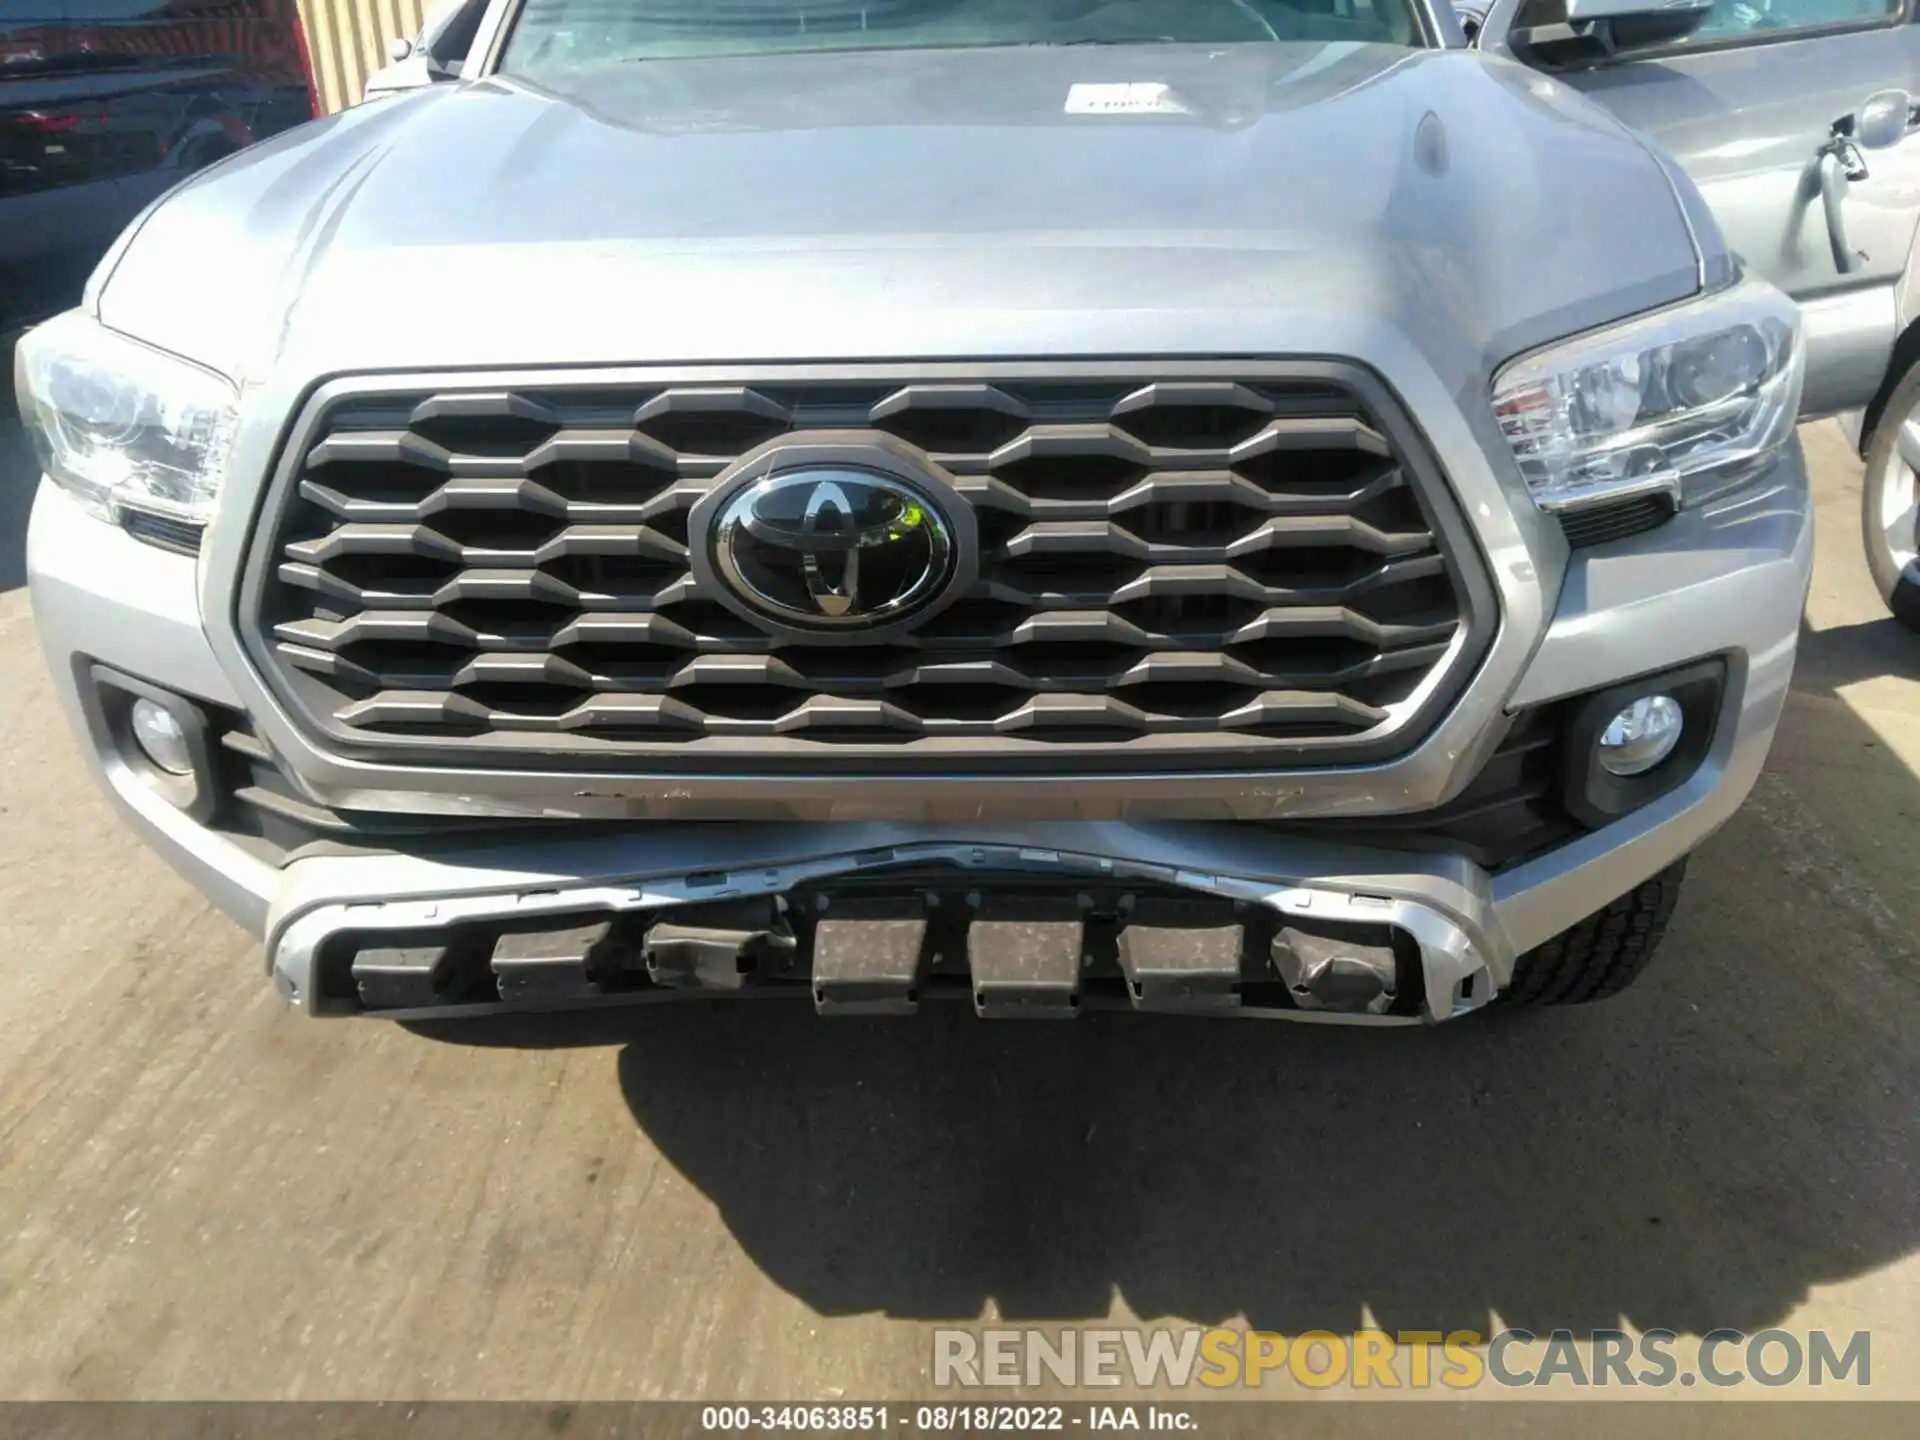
202,1195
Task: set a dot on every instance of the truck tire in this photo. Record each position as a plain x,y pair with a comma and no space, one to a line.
1604,953
1890,501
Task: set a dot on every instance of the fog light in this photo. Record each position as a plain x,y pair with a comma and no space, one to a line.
1641,736
160,737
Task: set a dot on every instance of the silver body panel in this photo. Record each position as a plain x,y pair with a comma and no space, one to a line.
1316,200
1850,339
1428,215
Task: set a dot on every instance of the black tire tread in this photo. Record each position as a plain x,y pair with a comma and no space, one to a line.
1905,604
1604,953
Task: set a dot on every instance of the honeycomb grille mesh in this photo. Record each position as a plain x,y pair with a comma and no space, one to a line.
1197,568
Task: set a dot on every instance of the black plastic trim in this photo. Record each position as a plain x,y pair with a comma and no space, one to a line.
163,532
197,795
1602,524
1593,795
1508,813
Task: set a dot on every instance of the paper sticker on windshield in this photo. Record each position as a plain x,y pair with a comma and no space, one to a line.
1139,97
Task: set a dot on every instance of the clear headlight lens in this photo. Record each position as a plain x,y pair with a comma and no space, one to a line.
1688,402
121,424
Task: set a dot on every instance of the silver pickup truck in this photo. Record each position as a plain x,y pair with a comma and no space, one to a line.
1238,506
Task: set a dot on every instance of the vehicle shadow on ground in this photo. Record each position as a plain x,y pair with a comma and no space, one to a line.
1696,1153
1846,654
18,477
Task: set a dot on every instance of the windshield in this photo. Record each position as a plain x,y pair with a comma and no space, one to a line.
561,36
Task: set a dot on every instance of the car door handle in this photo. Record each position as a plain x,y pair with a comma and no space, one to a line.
1882,122
1840,165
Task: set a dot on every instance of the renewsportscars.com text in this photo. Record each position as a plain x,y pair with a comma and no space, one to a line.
1220,1359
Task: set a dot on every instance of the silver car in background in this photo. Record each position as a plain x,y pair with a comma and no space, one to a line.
1236,506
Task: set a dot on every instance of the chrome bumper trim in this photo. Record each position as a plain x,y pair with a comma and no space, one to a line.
1465,957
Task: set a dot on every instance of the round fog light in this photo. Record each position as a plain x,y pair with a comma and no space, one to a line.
160,737
1641,736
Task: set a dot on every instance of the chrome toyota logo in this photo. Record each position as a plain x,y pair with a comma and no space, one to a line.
834,548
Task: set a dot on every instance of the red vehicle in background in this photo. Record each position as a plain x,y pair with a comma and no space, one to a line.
104,104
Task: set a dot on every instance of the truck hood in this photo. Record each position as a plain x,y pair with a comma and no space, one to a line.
1176,199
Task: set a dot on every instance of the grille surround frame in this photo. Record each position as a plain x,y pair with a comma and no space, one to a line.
1200,754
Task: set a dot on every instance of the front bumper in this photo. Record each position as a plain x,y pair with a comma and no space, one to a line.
1727,581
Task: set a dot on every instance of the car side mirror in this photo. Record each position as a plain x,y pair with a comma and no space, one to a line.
436,54
1624,26
413,65
1885,120
1575,32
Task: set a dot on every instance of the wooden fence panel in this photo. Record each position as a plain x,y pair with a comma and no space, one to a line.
348,40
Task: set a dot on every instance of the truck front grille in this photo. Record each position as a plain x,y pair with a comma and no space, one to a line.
1197,568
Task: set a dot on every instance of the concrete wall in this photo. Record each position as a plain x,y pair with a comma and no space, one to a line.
348,40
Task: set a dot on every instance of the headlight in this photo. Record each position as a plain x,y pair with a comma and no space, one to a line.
120,424
1688,402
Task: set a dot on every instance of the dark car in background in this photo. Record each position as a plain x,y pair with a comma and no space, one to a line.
104,104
